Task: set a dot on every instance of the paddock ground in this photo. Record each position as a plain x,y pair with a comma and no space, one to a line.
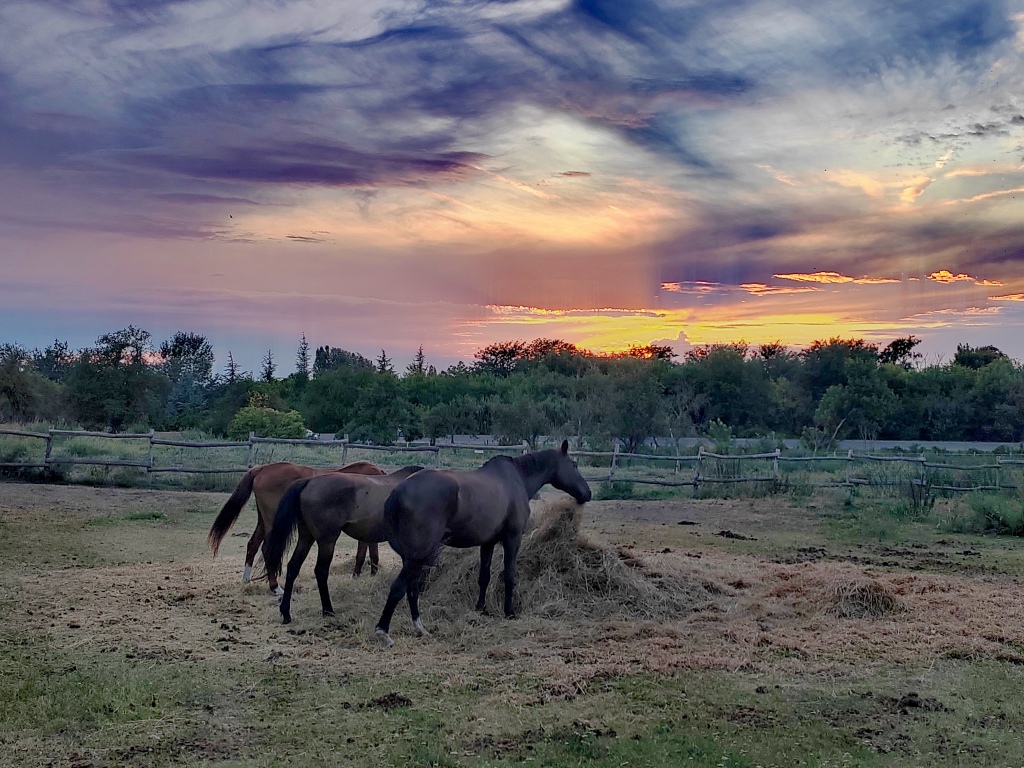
830,634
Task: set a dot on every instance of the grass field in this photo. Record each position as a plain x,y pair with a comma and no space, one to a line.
820,630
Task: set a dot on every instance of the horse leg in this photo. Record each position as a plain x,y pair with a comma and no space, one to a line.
324,556
511,549
486,554
399,587
302,547
272,584
360,559
251,549
416,578
374,559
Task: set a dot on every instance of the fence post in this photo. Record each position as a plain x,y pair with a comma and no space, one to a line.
49,447
344,452
252,450
696,477
775,466
849,467
525,446
149,458
615,458
999,485
437,457
676,441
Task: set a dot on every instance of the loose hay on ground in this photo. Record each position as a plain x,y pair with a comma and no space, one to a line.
561,573
865,599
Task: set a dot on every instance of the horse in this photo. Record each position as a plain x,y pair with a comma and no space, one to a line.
269,482
321,509
474,508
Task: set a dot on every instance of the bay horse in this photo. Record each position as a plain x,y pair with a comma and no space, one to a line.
320,509
474,508
268,482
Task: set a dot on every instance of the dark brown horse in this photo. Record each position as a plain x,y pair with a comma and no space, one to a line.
268,482
477,508
320,509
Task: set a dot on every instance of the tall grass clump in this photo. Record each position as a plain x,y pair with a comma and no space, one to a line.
991,514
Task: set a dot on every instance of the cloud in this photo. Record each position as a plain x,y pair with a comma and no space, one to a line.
945,276
836,278
760,289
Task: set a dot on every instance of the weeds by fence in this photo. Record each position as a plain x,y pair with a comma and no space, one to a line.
147,455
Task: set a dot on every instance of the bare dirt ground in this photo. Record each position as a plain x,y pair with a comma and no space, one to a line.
127,571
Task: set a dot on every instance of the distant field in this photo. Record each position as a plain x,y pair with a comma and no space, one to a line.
829,631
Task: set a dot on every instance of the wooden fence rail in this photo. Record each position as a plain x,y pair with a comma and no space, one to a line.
723,468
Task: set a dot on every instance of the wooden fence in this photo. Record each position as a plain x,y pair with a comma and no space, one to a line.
924,475
51,461
707,467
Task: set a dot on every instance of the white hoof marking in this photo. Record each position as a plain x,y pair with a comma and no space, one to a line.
247,574
385,638
278,590
420,629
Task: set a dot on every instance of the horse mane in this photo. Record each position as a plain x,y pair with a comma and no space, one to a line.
531,463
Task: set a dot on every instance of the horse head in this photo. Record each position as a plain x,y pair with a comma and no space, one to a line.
567,476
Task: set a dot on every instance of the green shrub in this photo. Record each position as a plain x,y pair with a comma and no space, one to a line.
266,422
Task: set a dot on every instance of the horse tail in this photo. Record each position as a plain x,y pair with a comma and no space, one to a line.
231,510
285,521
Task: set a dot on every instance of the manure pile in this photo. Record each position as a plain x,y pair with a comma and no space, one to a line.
562,573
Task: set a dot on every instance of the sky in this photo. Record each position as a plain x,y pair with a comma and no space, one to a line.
381,175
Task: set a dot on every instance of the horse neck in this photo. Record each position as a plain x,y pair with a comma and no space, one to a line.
535,474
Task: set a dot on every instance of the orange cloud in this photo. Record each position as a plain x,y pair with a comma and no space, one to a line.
945,276
1008,297
835,277
760,289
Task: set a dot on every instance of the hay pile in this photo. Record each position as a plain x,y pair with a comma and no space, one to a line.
863,599
563,574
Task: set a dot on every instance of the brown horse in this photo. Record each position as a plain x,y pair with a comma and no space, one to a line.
477,508
321,509
268,482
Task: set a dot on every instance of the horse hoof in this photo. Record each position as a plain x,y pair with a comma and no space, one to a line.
328,613
278,591
420,629
355,575
385,638
286,619
247,574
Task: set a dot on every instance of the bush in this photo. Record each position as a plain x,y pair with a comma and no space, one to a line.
266,422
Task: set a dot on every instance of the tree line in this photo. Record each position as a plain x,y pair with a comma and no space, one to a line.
830,390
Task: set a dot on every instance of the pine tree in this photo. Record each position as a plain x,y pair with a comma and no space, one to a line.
302,363
384,363
269,367
418,366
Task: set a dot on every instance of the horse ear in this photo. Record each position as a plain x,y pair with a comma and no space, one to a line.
565,447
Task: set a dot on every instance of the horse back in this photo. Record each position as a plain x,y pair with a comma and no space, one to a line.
335,501
461,509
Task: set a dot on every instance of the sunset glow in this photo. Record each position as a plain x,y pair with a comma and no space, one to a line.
394,174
